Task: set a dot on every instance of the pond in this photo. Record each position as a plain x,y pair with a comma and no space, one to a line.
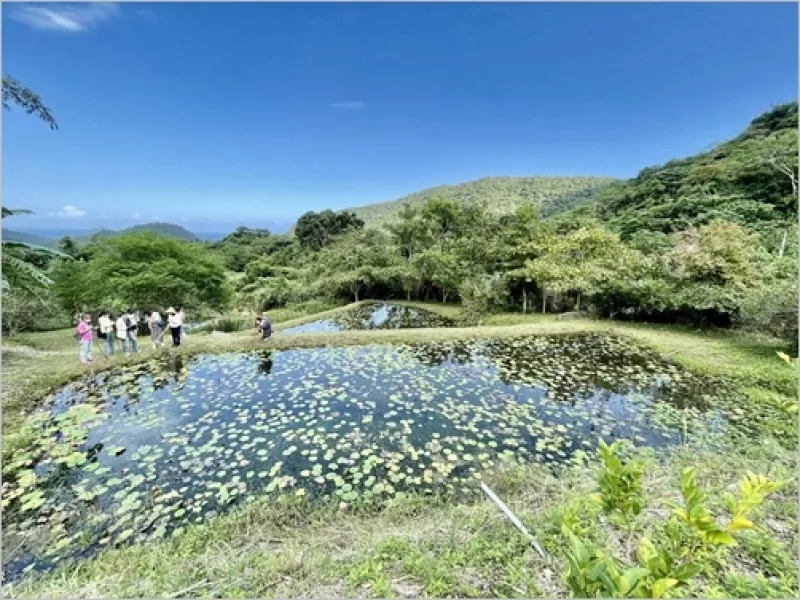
374,315
140,453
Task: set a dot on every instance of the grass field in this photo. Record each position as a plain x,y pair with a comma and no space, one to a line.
432,546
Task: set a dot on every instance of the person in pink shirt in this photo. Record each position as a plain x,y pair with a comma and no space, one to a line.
84,334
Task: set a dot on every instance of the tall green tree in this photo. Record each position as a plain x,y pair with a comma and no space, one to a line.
354,261
316,230
17,271
582,262
146,269
523,239
711,267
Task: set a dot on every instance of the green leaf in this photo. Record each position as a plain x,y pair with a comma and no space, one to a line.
661,586
721,538
628,580
687,571
739,523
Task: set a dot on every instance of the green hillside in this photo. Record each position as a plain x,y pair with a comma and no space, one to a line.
501,194
39,240
9,235
747,180
164,228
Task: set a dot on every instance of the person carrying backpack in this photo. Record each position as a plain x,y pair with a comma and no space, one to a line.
84,335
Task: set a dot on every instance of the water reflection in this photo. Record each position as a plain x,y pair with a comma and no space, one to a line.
374,316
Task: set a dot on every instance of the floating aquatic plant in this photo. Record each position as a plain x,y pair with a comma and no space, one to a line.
146,450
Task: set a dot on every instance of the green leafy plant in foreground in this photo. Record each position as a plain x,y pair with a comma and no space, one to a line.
684,542
697,517
594,573
620,481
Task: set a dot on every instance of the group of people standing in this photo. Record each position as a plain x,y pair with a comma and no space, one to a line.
125,328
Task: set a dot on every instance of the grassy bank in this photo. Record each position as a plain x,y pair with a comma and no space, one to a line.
279,548
433,546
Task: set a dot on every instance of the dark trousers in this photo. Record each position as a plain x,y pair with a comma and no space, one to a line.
176,335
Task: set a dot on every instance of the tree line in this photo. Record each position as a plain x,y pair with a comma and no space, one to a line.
719,273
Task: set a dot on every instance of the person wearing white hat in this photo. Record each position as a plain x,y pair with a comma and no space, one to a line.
175,323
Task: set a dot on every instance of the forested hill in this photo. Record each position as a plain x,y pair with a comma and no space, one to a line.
10,235
501,194
750,180
169,229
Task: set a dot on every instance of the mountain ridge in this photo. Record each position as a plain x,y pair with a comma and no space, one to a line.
745,179
167,229
502,194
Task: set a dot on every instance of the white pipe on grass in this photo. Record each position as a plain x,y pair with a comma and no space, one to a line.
512,517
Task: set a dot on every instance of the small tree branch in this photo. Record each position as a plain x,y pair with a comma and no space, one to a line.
16,93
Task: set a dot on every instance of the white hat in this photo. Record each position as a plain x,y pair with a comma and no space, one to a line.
171,310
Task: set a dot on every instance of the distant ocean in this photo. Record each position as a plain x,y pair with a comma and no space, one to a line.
58,233
211,236
53,233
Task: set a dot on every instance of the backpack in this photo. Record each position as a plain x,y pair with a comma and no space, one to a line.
127,321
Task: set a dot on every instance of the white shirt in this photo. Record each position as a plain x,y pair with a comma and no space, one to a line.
175,320
106,324
122,328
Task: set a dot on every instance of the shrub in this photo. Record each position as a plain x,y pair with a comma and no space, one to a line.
482,293
684,541
226,324
620,481
22,311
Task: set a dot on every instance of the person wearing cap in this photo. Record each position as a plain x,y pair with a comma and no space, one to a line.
175,324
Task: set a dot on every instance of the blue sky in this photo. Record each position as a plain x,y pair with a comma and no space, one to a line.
213,115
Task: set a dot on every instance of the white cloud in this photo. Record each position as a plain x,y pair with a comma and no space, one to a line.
66,17
104,216
350,105
70,212
137,216
156,219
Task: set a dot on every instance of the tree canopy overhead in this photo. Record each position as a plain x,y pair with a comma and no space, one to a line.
19,268
16,94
